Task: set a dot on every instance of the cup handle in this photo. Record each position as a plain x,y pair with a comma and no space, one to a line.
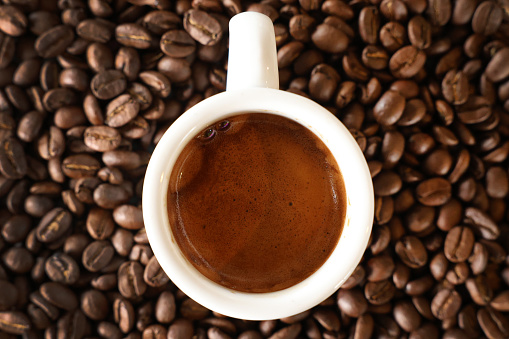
252,56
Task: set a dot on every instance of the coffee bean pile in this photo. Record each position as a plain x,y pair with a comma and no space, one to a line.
87,88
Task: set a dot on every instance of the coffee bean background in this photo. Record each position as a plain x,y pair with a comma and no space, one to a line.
88,87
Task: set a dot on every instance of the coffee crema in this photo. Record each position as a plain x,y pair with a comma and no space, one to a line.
256,202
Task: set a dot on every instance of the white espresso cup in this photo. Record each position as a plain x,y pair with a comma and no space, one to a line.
252,86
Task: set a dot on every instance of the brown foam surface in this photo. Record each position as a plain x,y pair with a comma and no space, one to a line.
260,206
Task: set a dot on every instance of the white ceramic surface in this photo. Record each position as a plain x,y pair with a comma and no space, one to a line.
260,96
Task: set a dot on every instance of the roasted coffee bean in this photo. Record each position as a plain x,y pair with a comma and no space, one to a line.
59,295
501,302
439,11
419,32
482,223
192,310
354,68
375,57
97,255
379,268
80,165
407,62
433,192
130,280
14,322
157,82
300,27
7,50
438,162
407,317
102,138
99,224
108,330
121,110
352,302
329,39
289,52
128,61
159,22
446,304
369,23
62,268
497,69
487,18
455,87
493,323
419,286
122,241
387,183
98,30
323,82
68,117
122,159
393,36
124,314
29,126
110,196
379,293
74,205
389,108
478,260
479,290
133,35
467,320
18,260
53,225
165,308
155,331
497,182
74,78
27,72
458,274
202,27
12,20
394,10
177,70
355,279
84,189
459,244
104,282
154,275
94,305
54,41
16,228
13,164
411,251
108,84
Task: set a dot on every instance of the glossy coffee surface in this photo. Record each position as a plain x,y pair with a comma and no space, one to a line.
256,202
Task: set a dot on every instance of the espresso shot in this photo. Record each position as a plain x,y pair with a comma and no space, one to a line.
256,202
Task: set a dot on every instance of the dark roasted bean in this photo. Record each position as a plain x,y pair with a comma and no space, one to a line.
12,20
133,35
202,27
130,280
60,267
412,252
97,255
59,295
14,322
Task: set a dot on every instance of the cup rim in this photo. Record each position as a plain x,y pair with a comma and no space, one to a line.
358,221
